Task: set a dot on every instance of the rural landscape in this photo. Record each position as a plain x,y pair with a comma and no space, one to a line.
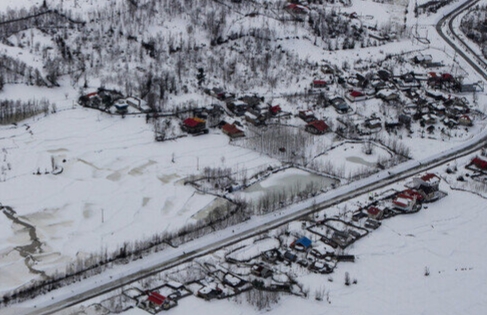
243,157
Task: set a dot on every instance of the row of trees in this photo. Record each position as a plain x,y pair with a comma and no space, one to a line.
15,71
474,25
15,111
286,143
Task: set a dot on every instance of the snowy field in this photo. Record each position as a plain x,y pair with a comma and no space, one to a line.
119,185
350,157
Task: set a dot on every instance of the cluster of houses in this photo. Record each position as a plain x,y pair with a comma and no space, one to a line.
113,102
318,258
313,125
421,190
154,300
317,247
253,109
425,97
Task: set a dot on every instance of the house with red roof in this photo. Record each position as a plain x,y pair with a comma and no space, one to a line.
356,96
413,193
317,127
194,125
232,131
447,77
404,202
294,8
210,291
375,213
427,180
276,109
156,302
319,84
428,186
479,163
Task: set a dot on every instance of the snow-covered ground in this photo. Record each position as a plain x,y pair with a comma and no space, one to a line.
445,239
119,185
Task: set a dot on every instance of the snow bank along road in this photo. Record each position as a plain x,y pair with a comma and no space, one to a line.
123,275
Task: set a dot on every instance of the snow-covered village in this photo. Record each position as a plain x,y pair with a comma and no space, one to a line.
243,157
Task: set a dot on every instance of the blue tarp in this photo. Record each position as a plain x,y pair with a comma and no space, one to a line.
304,241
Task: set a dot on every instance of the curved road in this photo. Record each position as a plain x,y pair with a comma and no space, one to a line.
450,17
343,193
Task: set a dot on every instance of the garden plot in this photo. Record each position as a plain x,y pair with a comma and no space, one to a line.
342,226
254,250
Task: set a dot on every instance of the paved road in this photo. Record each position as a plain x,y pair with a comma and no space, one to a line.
323,202
478,64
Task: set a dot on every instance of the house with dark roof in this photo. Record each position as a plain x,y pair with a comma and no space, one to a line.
373,123
289,256
340,105
237,107
256,120
422,58
465,120
121,106
261,271
209,292
306,115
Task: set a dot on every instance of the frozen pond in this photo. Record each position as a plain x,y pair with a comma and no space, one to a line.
217,202
290,180
359,160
